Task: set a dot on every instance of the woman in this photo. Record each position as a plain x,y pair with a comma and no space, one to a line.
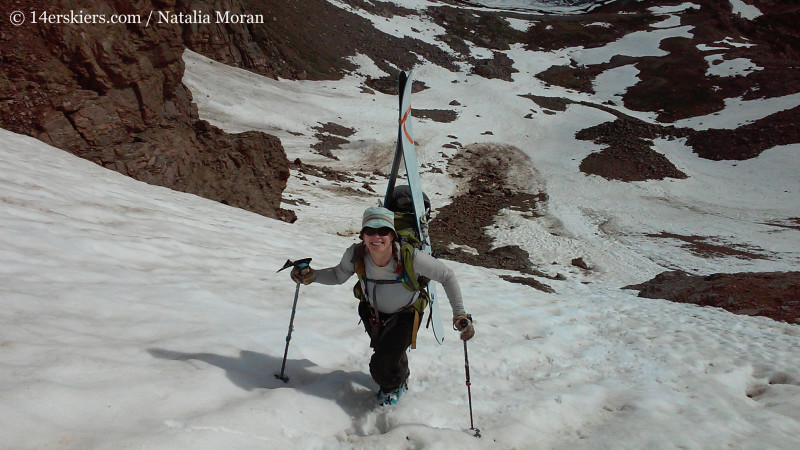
386,304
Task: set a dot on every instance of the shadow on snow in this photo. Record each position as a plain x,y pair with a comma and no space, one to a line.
353,391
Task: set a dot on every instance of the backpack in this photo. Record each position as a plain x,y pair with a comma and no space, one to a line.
405,225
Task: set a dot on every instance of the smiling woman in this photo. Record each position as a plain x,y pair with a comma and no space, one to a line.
390,308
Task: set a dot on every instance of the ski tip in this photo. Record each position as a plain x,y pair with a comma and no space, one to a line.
403,79
401,86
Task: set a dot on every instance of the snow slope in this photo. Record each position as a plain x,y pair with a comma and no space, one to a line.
608,223
135,316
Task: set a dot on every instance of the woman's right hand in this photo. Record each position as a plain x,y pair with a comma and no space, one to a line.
303,274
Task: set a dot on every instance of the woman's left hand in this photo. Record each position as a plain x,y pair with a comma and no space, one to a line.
463,323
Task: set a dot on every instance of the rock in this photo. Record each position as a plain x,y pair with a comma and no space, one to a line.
769,294
532,282
579,262
500,66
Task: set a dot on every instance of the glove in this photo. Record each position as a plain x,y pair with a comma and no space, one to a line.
303,274
463,322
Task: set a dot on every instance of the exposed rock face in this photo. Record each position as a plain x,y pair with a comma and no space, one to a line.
300,40
112,93
772,294
238,44
309,39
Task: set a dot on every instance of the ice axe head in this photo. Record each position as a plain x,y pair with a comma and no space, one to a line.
299,263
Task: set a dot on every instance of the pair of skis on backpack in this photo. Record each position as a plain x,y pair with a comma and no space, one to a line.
412,213
410,205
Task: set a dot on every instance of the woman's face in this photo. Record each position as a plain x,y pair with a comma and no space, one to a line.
377,243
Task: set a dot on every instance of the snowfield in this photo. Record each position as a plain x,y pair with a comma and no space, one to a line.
136,316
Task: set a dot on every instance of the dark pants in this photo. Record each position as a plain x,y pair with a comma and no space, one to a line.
390,339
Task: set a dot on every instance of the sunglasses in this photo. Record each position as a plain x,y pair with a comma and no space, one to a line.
382,231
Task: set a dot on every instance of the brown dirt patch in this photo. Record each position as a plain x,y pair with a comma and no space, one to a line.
630,161
481,28
551,103
436,115
750,140
388,85
675,85
532,282
323,172
331,136
556,32
580,78
499,66
791,223
771,294
629,156
700,246
627,132
489,189
335,128
575,78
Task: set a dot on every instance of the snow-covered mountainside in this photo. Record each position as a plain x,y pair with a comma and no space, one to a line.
137,316
636,229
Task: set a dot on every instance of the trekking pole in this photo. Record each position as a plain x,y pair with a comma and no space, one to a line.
469,393
299,264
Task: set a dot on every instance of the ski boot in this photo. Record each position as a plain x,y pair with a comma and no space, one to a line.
392,397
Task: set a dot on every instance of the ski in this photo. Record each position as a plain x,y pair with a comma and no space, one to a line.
406,152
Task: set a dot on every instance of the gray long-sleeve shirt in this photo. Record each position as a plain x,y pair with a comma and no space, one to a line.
390,298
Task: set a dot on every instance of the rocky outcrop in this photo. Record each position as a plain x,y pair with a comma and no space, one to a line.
112,93
237,44
629,155
310,39
772,294
299,40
